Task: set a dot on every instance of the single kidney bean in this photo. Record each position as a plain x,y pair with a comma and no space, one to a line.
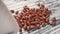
12,11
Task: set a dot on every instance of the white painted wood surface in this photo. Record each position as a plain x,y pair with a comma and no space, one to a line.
48,3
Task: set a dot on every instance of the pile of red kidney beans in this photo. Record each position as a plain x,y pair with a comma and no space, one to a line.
32,18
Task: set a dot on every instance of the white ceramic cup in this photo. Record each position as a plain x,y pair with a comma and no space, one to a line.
7,22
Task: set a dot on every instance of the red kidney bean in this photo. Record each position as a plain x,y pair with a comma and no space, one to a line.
31,18
12,11
38,4
43,23
28,28
38,26
33,27
16,12
20,29
53,21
